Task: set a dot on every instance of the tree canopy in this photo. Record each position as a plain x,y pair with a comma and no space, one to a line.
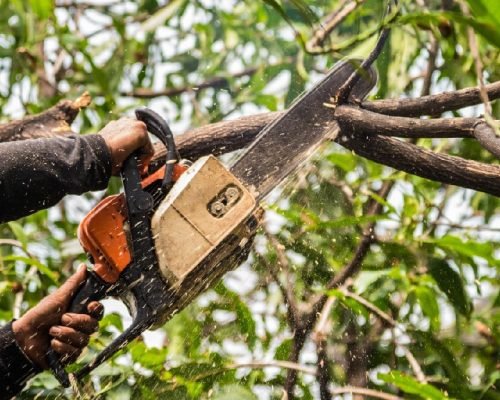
375,272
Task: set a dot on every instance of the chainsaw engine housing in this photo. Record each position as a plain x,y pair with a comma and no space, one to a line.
205,205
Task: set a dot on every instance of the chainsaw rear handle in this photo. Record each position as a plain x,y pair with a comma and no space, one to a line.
94,288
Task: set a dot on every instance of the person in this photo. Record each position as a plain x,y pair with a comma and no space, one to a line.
36,174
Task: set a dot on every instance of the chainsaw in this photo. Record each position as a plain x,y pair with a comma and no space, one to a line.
173,234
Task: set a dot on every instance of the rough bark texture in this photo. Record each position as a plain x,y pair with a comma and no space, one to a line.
433,104
53,122
425,163
362,121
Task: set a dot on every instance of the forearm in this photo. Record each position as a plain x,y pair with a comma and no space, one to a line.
15,367
36,174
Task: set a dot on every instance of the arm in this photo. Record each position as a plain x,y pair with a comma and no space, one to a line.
36,174
24,343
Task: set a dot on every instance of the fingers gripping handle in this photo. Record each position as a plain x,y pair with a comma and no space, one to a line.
159,127
93,289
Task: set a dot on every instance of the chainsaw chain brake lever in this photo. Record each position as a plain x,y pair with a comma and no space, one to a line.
142,276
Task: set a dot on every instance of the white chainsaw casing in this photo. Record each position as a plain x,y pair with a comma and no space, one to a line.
204,206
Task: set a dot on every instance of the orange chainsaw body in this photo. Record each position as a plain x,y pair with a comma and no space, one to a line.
103,231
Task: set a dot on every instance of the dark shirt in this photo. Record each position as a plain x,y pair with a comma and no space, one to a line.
36,174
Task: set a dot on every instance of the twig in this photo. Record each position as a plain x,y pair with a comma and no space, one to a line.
216,82
275,363
415,366
319,337
331,22
373,308
366,392
431,66
471,37
389,320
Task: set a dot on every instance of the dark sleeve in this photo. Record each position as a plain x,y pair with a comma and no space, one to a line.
36,174
15,367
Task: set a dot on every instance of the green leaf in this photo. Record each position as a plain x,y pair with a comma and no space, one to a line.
428,302
410,385
342,160
234,392
18,232
487,10
485,28
152,358
160,17
31,261
451,284
43,9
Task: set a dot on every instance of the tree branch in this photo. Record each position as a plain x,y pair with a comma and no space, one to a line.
359,121
53,122
330,23
365,392
434,104
425,163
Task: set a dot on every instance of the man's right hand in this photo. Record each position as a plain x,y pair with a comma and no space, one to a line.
124,137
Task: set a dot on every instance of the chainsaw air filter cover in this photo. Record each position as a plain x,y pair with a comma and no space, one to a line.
205,205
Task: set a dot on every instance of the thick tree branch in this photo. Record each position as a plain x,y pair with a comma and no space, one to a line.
425,163
359,121
53,122
433,104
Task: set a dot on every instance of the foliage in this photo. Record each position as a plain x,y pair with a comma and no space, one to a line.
433,268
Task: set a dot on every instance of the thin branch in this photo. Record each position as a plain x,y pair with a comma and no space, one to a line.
285,266
417,369
434,104
471,37
431,66
216,82
275,363
365,392
373,308
319,337
415,366
330,23
345,90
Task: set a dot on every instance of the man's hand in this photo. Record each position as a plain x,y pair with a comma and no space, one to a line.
47,324
125,136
